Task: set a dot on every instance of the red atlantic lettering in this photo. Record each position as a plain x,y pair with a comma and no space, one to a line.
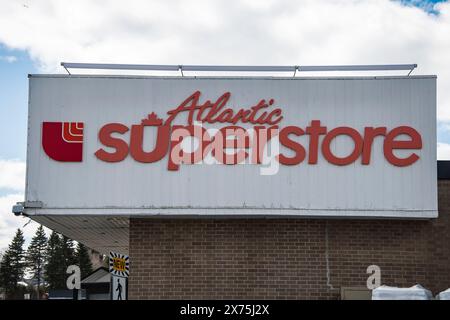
210,112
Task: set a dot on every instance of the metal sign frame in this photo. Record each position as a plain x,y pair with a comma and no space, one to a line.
217,68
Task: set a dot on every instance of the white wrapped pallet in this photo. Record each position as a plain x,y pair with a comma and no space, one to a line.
444,295
416,292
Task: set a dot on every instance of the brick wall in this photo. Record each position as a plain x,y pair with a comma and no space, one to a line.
285,258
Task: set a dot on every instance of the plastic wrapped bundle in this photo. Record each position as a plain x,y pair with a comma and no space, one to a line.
444,295
416,292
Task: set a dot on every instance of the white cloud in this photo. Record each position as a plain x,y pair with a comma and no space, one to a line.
443,151
9,59
9,222
12,179
12,175
308,32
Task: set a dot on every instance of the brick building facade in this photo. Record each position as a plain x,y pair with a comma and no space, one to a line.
293,258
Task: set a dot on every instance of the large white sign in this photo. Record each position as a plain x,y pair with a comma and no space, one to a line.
358,147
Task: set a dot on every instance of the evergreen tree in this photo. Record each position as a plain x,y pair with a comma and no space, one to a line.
60,255
54,268
83,260
5,273
68,252
36,255
12,266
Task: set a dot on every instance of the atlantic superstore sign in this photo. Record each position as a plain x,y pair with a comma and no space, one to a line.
63,141
224,146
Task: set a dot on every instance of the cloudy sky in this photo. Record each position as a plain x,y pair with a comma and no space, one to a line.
36,35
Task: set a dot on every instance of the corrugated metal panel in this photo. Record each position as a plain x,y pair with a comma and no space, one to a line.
129,187
101,233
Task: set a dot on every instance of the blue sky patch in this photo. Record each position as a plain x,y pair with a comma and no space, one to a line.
426,5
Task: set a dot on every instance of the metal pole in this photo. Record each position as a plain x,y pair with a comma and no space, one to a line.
375,67
181,68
